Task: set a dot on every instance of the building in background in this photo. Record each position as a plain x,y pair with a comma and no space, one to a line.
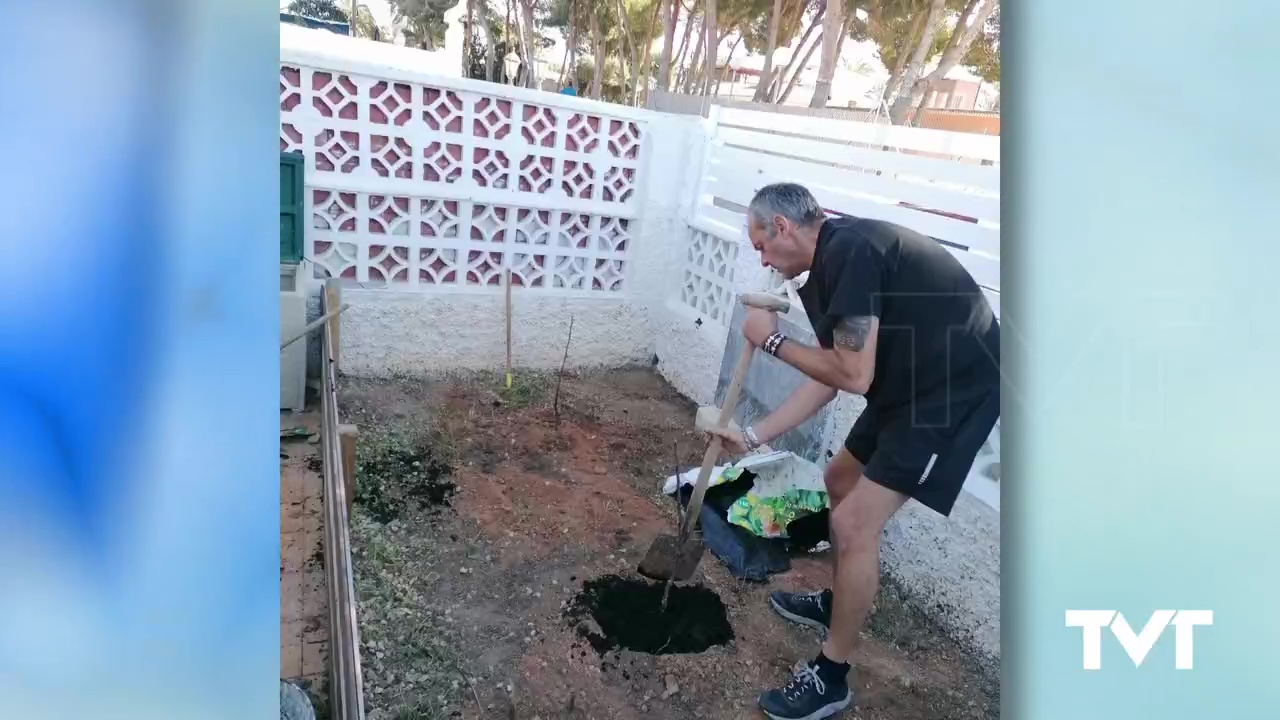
954,94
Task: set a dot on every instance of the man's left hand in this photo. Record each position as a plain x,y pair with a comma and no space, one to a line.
759,325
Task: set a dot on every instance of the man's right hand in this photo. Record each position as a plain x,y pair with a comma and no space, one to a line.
733,440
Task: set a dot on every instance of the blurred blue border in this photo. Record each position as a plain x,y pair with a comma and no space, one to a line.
139,536
1139,278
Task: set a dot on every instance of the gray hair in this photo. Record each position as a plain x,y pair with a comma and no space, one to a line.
790,200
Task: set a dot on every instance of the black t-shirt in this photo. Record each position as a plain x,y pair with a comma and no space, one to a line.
938,342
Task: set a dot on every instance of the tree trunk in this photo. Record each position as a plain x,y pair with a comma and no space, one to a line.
683,52
421,38
766,74
832,37
528,39
919,113
712,45
902,104
597,49
466,39
670,16
961,40
623,71
844,33
646,67
895,77
564,66
571,65
695,59
492,45
518,44
781,78
624,22
795,76
508,40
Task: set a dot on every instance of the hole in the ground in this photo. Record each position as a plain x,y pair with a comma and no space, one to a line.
629,615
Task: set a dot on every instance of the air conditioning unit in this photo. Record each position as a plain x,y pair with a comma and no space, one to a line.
293,359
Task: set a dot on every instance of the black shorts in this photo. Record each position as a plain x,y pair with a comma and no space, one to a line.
927,459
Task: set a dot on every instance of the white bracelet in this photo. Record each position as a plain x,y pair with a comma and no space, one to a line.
753,441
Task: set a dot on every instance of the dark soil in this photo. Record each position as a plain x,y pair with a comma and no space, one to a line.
630,616
399,470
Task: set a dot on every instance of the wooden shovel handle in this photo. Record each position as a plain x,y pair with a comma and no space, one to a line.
766,301
713,450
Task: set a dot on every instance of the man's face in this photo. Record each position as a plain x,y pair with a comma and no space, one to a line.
774,240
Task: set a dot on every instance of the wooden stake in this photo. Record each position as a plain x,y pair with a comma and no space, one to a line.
333,300
507,275
347,435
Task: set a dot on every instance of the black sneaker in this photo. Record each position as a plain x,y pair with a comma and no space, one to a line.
809,609
807,697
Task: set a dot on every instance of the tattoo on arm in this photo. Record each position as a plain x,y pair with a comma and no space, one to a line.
852,333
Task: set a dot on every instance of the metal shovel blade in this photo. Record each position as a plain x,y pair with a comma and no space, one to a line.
670,559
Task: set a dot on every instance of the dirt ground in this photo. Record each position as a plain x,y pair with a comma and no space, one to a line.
481,512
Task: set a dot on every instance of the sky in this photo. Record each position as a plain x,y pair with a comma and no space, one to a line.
846,86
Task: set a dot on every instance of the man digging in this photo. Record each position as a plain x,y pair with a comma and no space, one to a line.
902,323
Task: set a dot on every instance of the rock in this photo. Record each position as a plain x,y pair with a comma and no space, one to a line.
672,687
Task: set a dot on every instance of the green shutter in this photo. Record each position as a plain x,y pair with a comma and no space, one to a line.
291,193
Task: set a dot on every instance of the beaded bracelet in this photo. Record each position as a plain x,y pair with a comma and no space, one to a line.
773,342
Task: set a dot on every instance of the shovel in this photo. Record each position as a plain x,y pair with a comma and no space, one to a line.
676,557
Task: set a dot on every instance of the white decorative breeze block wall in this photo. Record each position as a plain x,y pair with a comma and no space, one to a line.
435,187
708,286
416,186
